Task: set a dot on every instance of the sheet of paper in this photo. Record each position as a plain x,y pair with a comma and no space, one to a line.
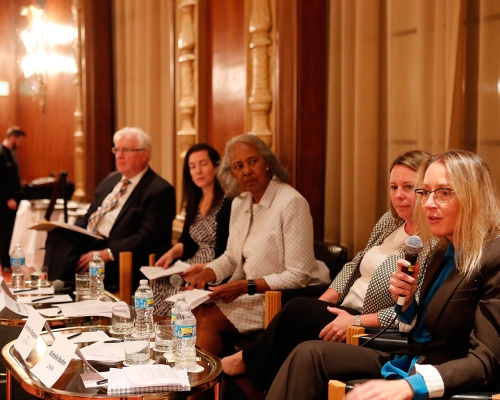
151,375
51,225
194,297
31,331
158,272
57,298
89,307
55,362
90,379
38,291
13,305
104,352
50,312
85,337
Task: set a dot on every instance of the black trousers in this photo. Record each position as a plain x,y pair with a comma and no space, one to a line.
63,248
7,219
299,320
307,370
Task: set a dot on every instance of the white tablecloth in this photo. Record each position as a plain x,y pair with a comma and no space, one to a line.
32,242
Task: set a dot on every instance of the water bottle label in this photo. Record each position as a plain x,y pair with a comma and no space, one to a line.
96,270
17,261
187,331
144,302
173,317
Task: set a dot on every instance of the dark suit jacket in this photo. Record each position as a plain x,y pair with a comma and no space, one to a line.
463,319
145,221
143,226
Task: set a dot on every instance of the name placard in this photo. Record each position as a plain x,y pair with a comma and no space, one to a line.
50,368
30,333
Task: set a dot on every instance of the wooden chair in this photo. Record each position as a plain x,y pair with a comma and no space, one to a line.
333,255
356,335
125,266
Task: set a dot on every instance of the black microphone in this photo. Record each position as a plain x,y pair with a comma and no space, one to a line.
177,280
413,246
59,285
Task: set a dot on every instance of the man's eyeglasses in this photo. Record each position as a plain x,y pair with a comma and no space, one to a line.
116,150
441,195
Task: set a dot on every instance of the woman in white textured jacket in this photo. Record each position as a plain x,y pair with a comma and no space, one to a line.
270,245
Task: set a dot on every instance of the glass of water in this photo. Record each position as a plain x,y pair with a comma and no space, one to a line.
164,334
82,283
136,346
123,319
39,276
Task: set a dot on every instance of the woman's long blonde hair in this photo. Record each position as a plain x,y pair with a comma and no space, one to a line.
478,220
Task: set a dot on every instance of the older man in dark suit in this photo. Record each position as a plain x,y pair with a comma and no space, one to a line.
132,210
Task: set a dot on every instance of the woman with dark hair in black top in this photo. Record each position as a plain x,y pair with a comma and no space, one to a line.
206,226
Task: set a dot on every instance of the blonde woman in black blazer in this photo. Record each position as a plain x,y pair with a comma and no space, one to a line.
454,341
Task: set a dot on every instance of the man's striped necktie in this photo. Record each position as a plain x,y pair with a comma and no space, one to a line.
107,206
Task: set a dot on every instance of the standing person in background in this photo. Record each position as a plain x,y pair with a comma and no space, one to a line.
10,190
206,227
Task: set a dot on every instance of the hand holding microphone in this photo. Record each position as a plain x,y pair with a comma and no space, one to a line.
413,246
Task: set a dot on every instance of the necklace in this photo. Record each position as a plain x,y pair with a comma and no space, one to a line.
204,203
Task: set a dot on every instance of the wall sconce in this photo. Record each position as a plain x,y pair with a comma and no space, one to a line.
39,38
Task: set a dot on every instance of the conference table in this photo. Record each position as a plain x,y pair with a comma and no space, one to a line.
70,386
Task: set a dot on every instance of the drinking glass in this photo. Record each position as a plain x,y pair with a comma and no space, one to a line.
82,282
136,346
39,276
164,334
123,318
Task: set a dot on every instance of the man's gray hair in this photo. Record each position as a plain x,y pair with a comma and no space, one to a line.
225,175
143,139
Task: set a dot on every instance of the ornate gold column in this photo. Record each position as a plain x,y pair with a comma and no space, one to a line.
260,44
187,101
79,134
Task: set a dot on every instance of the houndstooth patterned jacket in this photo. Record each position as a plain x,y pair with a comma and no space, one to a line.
378,298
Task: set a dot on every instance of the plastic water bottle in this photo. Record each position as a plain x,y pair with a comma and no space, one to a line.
96,273
180,302
144,307
185,339
17,261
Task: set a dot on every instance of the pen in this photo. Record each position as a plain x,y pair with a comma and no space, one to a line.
74,336
113,341
41,298
25,290
101,382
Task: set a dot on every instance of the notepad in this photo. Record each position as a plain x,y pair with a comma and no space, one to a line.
194,297
147,378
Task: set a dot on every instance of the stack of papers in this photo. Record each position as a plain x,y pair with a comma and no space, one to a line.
158,272
89,308
194,297
147,378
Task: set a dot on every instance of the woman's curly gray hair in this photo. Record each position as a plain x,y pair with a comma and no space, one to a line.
225,175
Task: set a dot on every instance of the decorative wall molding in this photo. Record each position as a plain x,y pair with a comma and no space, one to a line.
186,85
261,46
79,133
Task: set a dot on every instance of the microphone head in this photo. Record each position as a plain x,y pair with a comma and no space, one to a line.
413,245
58,285
176,280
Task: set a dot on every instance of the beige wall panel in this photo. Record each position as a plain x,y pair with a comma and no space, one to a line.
490,8
403,14
403,88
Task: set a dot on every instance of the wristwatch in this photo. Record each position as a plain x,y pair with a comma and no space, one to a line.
252,287
357,321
